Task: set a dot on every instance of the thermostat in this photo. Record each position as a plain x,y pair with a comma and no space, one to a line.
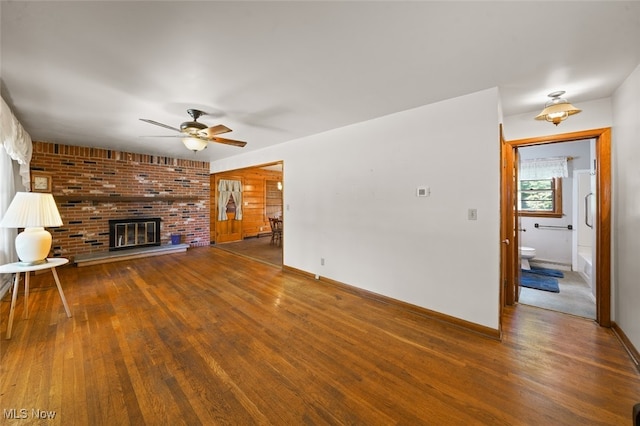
423,191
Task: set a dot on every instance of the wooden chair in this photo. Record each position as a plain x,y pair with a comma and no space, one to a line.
276,231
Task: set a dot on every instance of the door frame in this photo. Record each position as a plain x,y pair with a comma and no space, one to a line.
602,255
509,255
239,174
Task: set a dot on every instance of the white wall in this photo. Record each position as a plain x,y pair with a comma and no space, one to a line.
350,198
626,196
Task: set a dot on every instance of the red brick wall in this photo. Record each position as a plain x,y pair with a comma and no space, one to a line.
79,173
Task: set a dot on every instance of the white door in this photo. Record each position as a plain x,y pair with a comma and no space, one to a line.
584,202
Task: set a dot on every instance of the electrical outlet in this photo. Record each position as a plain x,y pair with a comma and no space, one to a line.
322,261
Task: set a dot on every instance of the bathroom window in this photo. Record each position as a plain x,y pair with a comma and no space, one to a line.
541,197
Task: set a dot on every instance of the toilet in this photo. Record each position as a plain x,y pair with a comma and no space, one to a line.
526,253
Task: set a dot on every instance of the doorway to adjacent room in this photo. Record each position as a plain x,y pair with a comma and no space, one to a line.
510,223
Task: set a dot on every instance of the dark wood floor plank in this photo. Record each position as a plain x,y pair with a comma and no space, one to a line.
209,337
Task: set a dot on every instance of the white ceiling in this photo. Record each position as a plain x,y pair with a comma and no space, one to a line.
84,72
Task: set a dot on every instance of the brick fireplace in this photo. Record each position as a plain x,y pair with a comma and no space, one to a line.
93,186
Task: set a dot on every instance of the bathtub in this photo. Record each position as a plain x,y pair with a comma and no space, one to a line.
585,264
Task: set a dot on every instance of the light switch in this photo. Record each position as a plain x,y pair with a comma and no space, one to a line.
473,214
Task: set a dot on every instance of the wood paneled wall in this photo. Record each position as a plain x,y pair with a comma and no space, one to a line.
255,220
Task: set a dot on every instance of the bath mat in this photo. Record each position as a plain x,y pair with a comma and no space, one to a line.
545,271
539,282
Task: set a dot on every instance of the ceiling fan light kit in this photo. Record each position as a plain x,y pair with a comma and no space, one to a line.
196,135
557,109
195,144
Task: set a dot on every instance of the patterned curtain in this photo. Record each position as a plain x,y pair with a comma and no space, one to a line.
226,190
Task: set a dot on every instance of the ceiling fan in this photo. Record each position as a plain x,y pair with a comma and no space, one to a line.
196,135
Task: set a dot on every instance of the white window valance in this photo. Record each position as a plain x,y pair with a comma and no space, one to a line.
15,147
543,168
16,141
226,190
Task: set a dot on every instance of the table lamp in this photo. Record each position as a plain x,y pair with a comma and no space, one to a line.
32,211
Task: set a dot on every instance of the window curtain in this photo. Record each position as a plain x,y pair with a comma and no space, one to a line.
7,192
226,190
16,142
543,168
15,155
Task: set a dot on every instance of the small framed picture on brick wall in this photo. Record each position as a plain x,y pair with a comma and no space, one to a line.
40,182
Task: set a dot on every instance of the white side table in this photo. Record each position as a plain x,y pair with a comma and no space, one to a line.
17,268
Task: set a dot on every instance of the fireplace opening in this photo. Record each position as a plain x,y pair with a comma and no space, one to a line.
134,233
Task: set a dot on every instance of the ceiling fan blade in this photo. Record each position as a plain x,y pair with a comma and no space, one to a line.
146,120
227,141
210,132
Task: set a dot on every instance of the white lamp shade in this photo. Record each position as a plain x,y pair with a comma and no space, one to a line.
195,144
31,209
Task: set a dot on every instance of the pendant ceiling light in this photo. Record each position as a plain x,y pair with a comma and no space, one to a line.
557,109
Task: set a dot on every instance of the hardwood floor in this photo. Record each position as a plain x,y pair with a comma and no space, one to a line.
260,248
210,337
574,298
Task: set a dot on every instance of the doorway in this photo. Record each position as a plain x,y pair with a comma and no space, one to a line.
555,181
511,225
262,199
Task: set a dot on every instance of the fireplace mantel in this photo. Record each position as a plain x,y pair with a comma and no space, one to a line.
123,198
